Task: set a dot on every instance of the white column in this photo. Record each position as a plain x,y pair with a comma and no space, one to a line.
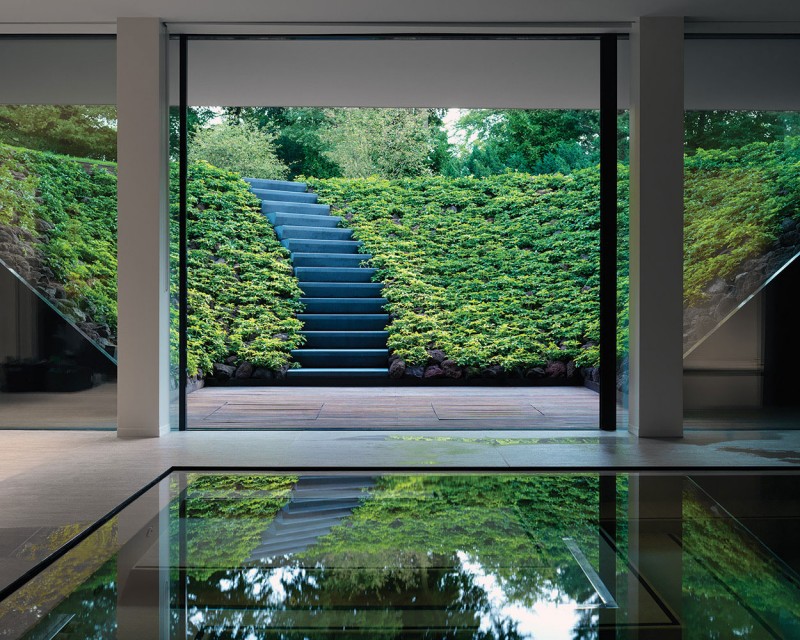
143,277
656,227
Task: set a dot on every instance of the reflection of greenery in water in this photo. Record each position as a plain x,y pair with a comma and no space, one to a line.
448,556
724,568
226,515
474,550
82,581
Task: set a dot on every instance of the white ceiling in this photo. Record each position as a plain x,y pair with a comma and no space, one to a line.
88,15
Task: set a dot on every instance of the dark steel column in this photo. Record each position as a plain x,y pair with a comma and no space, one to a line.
608,232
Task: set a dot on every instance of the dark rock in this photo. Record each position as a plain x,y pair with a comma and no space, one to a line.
436,356
572,369
790,239
434,371
788,224
493,371
394,357
536,372
283,337
230,360
415,372
280,374
223,372
397,369
471,372
260,373
244,371
451,369
556,369
718,286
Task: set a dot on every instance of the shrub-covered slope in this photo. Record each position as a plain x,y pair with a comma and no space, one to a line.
58,229
242,293
496,271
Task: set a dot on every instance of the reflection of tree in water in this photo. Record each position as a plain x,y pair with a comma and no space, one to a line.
423,557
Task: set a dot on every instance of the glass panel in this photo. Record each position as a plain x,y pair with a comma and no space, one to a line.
58,266
742,238
397,245
461,556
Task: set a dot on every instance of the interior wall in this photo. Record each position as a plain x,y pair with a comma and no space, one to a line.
727,369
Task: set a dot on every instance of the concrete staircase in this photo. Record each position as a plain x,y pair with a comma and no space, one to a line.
344,321
317,504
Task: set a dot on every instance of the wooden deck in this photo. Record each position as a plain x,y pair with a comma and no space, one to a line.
393,408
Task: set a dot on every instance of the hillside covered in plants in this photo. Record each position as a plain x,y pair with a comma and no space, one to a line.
58,230
500,271
497,273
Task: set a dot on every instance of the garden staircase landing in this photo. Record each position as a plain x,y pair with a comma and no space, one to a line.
344,321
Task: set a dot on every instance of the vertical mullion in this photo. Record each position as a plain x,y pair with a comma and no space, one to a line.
608,232
183,311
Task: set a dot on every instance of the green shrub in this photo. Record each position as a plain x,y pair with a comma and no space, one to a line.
238,147
501,270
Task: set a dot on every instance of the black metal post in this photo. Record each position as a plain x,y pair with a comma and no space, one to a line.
608,232
183,302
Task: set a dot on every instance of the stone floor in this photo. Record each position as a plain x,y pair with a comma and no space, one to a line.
54,484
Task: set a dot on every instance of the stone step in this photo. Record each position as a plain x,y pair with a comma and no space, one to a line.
312,373
287,232
341,289
296,245
273,206
285,196
281,219
334,274
331,260
344,321
341,358
281,185
345,339
343,305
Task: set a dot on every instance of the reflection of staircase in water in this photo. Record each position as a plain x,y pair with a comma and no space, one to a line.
317,504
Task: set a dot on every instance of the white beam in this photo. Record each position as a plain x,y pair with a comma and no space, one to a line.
143,304
656,227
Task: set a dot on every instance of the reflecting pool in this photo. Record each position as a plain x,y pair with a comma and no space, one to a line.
544,556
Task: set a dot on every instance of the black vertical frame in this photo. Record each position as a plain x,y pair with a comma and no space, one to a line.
183,311
608,232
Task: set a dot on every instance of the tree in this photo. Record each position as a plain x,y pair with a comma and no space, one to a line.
297,132
238,147
730,129
196,118
390,143
531,141
73,130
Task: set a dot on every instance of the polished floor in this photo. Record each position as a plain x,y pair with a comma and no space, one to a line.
379,408
484,556
54,484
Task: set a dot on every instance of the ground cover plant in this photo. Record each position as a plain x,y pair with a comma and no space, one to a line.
498,271
58,230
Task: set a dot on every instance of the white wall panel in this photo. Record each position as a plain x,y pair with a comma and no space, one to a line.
395,73
58,71
742,74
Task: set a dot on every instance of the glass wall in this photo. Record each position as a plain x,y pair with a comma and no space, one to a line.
58,235
470,232
742,233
